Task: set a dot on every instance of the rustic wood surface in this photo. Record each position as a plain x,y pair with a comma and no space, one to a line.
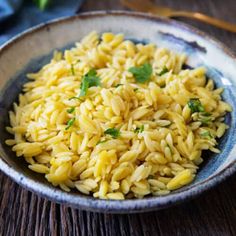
213,213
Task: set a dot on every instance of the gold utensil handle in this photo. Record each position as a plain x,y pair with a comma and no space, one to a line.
148,6
204,18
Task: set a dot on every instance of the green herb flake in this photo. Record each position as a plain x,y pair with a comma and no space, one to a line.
84,88
206,134
103,141
71,110
143,73
76,98
163,71
195,105
72,69
70,123
42,4
205,119
136,89
89,80
118,85
139,129
115,133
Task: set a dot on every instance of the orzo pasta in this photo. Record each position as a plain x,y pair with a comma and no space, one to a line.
117,119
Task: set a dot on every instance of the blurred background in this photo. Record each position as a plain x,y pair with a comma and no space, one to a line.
18,15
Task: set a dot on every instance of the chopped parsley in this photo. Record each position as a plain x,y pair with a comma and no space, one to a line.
71,110
103,141
205,118
195,105
139,129
136,89
42,4
163,71
89,80
72,69
76,98
115,133
70,123
206,134
143,73
118,85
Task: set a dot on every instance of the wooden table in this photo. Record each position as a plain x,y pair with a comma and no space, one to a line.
214,213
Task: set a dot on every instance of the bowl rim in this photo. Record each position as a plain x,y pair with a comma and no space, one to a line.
129,205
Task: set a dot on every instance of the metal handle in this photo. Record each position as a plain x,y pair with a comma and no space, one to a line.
204,18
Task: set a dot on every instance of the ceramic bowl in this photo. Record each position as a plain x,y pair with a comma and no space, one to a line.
33,48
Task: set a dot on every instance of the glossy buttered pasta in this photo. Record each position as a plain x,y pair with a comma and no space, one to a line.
116,120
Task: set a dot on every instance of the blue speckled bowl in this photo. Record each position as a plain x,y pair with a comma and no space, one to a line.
30,50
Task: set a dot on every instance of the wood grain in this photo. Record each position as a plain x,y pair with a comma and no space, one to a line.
213,213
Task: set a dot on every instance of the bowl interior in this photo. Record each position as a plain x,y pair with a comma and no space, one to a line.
31,51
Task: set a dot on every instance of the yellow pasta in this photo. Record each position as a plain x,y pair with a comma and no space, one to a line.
116,120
